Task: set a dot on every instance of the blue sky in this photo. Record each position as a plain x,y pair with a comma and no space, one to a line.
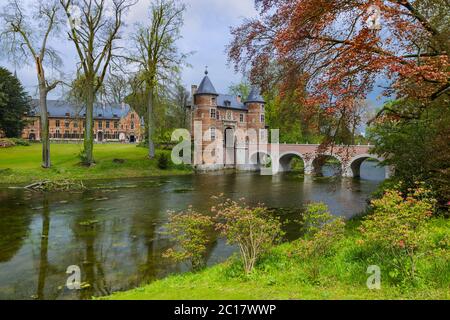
206,32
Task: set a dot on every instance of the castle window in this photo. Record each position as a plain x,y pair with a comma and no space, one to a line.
132,116
212,132
213,101
57,123
262,118
241,117
66,124
229,115
218,115
116,125
107,124
262,108
212,113
75,124
100,124
132,126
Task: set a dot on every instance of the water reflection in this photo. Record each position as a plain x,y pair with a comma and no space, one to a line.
113,231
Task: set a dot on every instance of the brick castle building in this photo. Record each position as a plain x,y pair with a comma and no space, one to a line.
112,123
218,113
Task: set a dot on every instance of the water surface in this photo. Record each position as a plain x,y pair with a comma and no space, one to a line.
113,231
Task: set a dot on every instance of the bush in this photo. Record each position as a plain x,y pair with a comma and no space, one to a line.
253,230
20,142
163,160
191,232
322,232
396,227
6,143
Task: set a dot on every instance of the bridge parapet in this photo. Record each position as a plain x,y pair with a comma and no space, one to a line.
350,157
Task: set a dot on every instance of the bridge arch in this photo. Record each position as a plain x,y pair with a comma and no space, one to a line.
259,159
319,161
354,165
285,160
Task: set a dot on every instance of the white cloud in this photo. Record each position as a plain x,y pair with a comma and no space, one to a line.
206,31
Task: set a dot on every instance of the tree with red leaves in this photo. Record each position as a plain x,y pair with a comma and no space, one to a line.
336,49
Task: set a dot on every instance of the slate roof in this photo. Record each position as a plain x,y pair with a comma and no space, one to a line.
233,102
254,96
60,108
206,86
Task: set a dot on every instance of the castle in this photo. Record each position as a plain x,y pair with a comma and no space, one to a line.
218,117
112,122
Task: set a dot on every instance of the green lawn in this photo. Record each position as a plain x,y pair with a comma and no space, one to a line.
22,164
283,275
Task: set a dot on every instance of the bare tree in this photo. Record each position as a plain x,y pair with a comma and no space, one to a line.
25,37
180,101
94,34
116,87
155,53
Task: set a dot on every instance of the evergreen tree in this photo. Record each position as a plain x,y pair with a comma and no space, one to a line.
14,102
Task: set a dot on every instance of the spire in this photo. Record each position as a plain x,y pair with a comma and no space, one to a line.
206,86
255,96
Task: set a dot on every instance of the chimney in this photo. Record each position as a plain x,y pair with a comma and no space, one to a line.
239,98
193,90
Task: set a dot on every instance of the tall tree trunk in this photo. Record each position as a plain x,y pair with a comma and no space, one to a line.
89,128
46,163
151,145
43,90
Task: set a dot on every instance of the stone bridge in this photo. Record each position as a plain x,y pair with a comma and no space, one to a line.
281,155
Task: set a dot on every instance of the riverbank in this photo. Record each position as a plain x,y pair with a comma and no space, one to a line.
284,275
21,164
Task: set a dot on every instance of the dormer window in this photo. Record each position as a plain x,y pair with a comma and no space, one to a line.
100,115
241,117
227,103
212,113
67,114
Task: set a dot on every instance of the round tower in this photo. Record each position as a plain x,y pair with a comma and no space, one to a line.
256,113
205,108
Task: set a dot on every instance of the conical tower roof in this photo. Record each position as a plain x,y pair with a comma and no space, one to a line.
206,86
255,96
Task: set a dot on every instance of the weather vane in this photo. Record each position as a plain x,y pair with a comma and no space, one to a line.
206,69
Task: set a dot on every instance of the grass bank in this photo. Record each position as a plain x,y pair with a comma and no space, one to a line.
282,274
22,164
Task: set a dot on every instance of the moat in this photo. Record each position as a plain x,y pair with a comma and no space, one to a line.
113,231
